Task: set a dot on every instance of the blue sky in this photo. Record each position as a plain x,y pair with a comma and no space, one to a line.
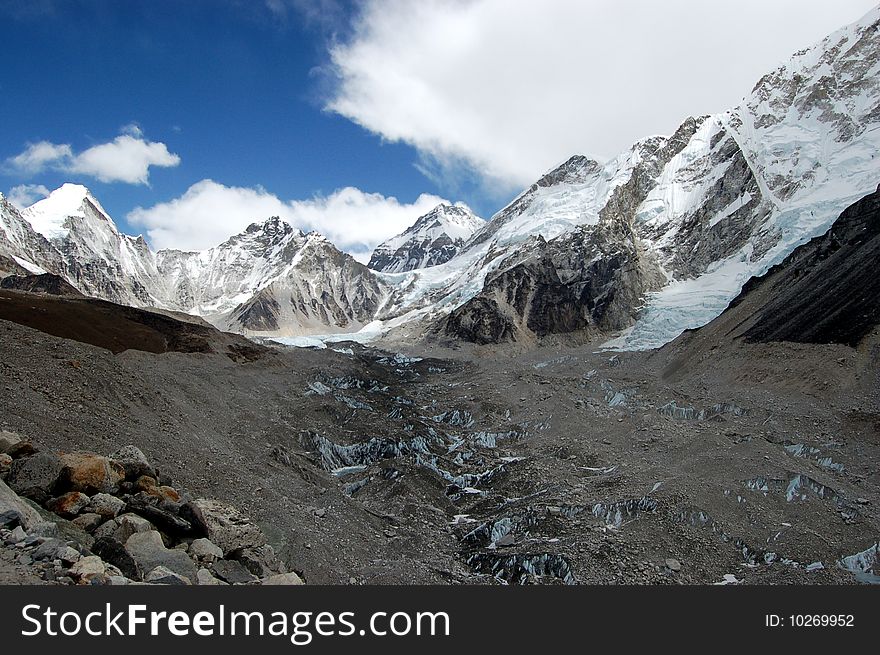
228,87
258,105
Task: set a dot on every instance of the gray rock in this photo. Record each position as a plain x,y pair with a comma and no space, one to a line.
107,529
262,561
36,477
283,579
87,569
133,461
118,580
15,511
48,549
17,535
113,552
5,464
205,549
163,575
204,577
673,565
105,505
130,524
232,572
149,551
68,555
8,440
223,524
88,522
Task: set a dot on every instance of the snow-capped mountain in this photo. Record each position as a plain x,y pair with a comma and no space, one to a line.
433,239
312,286
92,254
723,199
321,290
641,247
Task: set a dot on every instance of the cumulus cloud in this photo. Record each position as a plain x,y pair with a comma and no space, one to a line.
209,212
127,158
510,89
25,195
36,157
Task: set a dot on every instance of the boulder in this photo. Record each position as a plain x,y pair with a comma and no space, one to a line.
146,483
105,505
169,494
223,524
283,579
204,577
90,473
166,520
88,521
16,536
8,440
205,549
232,572
113,552
48,550
130,524
107,529
149,551
68,555
36,477
15,511
262,561
68,505
163,575
87,569
133,461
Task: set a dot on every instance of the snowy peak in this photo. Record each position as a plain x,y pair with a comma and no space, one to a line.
433,239
52,215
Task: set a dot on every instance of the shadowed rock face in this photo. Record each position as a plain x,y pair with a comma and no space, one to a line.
591,279
826,291
46,283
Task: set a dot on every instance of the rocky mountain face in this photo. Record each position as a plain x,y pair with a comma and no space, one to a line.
433,239
587,280
639,248
236,285
322,290
826,291
699,213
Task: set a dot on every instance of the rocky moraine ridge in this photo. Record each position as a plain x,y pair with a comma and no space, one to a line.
83,518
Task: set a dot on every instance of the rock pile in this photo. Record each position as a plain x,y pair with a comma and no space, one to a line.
85,518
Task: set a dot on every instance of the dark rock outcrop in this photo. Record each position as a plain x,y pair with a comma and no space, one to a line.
827,290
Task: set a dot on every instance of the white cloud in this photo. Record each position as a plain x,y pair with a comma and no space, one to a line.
209,212
127,158
36,157
25,195
514,87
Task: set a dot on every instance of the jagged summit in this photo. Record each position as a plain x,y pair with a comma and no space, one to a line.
51,215
433,239
654,241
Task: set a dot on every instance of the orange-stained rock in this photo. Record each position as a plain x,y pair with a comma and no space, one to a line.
68,505
90,473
